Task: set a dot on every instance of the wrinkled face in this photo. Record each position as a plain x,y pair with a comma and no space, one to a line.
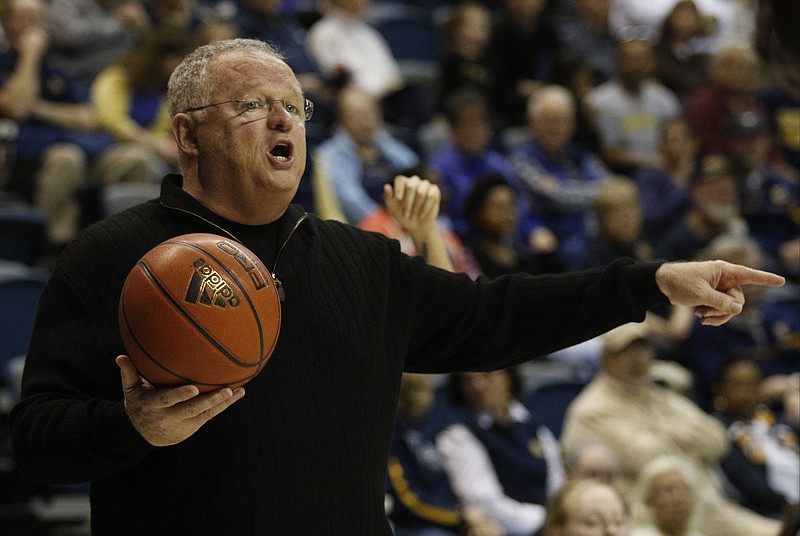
23,15
498,216
598,511
247,149
671,502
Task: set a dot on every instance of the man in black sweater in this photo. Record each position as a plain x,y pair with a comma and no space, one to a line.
305,452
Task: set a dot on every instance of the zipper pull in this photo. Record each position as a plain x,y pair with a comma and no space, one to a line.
279,287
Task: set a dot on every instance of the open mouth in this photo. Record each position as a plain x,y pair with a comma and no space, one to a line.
282,152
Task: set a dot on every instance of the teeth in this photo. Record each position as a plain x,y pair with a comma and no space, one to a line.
281,158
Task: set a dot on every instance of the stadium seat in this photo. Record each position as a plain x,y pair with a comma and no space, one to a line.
413,37
119,196
549,401
23,233
20,288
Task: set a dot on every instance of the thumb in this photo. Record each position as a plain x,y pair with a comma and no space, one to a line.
128,373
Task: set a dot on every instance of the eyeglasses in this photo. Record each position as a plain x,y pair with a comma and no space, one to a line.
256,110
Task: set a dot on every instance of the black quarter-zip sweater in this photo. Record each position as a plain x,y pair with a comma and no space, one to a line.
305,451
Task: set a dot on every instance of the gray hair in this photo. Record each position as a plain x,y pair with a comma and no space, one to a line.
552,94
641,513
573,456
190,83
731,247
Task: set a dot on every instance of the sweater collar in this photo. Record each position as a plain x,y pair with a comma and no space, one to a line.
174,197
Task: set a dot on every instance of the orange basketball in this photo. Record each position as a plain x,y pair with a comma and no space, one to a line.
199,309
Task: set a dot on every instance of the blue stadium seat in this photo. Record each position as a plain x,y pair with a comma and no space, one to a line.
549,401
119,196
23,233
411,34
20,289
413,37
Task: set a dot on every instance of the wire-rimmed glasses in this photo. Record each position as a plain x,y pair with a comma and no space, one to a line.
255,110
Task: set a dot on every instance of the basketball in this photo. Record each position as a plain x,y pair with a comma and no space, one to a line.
199,309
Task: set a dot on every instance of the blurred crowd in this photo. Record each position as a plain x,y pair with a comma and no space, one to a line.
564,134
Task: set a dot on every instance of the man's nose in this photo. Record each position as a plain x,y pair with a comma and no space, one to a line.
278,118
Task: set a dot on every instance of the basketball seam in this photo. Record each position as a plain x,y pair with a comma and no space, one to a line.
246,295
170,371
171,300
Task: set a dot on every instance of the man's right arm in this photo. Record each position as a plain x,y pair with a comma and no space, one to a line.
70,424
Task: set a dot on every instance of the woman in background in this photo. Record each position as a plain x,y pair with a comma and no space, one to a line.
498,456
129,97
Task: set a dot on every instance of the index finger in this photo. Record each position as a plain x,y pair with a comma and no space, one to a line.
742,275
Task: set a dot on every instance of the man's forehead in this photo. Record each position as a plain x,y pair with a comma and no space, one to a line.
254,77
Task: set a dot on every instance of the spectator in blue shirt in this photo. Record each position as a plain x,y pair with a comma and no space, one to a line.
362,155
664,189
559,177
468,155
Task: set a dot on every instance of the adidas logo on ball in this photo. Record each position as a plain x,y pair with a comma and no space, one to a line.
207,287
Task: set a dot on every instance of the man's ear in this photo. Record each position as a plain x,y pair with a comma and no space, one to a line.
185,133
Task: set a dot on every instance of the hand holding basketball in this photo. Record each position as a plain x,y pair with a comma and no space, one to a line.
168,416
199,309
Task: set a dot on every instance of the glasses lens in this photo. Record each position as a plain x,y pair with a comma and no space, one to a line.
299,116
